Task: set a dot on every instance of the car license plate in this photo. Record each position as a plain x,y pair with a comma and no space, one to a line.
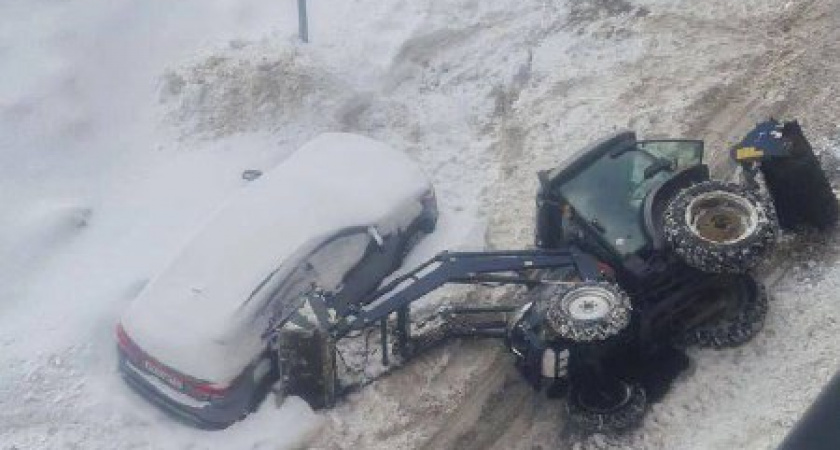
159,372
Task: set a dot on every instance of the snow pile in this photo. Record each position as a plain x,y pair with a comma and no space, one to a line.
253,86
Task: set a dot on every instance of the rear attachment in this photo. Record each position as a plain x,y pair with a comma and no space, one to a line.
801,192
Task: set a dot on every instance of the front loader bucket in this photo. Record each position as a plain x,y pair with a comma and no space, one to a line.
797,183
307,363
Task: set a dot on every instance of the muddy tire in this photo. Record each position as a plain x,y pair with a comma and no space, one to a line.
720,227
589,411
587,312
746,305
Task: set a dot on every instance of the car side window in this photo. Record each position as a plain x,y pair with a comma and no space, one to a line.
331,262
277,294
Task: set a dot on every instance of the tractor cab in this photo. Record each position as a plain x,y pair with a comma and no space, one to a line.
604,200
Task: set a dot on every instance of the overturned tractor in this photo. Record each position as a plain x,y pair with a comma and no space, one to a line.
637,252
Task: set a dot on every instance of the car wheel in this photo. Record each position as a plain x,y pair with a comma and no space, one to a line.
743,305
586,312
614,408
720,227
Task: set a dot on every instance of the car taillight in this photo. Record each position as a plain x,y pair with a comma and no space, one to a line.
124,341
197,389
210,391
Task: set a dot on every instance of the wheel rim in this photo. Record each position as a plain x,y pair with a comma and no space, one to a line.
721,217
588,303
606,400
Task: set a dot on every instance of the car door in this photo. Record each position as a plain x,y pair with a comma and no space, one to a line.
285,289
351,265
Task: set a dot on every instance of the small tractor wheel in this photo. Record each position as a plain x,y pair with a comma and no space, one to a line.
720,227
745,304
588,311
607,411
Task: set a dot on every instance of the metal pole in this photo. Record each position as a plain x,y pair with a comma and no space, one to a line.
303,22
383,332
403,331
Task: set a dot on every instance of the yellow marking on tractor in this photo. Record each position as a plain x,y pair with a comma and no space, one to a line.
748,153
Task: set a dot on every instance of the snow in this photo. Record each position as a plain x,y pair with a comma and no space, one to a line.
202,316
125,124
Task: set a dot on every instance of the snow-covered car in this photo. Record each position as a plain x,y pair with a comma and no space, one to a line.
339,215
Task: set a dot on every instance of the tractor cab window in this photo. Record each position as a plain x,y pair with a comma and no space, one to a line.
609,193
681,153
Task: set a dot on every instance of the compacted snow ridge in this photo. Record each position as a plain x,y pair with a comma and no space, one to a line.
125,124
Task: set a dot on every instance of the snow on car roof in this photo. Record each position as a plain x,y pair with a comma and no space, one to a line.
191,316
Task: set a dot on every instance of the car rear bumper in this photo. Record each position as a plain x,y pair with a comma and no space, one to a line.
207,415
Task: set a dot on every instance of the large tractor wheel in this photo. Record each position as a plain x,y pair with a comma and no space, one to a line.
736,307
720,227
588,311
614,408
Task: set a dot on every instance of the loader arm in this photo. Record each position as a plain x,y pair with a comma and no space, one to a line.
305,352
462,268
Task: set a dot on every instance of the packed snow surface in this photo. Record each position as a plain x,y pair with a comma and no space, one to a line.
125,124
203,314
